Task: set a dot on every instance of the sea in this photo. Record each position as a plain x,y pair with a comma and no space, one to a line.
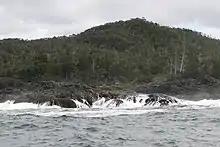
186,124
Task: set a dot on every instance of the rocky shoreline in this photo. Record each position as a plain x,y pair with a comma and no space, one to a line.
64,93
51,91
190,88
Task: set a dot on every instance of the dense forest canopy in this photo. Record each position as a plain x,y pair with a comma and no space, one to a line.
125,51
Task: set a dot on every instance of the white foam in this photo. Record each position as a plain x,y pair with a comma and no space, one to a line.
200,104
128,102
79,104
10,105
102,107
116,112
85,113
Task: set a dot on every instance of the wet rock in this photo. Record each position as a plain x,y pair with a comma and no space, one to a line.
140,101
162,99
164,102
115,102
118,102
153,98
63,102
134,99
61,93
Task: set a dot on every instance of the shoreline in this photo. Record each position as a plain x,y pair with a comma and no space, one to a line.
43,91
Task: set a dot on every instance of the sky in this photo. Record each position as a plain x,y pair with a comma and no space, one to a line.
31,19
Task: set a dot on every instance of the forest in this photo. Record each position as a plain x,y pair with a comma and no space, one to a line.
132,51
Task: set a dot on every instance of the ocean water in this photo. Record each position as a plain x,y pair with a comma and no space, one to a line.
186,124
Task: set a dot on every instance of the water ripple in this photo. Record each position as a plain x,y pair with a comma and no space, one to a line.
166,127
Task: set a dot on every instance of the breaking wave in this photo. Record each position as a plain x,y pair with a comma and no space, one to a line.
103,107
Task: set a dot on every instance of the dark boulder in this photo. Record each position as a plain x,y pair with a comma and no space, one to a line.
153,98
162,99
63,102
116,102
134,99
164,102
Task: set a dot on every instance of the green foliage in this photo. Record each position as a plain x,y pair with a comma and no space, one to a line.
126,51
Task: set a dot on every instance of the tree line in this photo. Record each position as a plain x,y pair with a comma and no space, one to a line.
129,51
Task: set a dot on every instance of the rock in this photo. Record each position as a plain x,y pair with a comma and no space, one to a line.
153,98
163,99
9,82
180,86
164,102
115,102
134,99
118,102
63,102
62,93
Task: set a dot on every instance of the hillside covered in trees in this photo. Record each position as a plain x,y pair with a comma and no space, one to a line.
133,51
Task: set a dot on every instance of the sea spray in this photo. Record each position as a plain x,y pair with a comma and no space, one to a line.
102,107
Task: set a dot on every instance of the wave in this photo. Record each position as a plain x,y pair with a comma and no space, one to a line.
103,107
133,101
202,104
10,105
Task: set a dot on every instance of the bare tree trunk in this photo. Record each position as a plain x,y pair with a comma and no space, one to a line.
183,56
182,62
175,62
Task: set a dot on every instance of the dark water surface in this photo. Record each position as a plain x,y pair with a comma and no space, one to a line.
165,128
